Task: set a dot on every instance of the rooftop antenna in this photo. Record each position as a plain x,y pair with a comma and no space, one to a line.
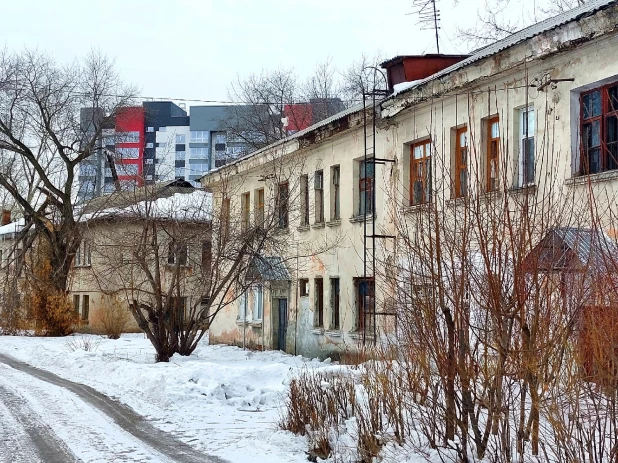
428,16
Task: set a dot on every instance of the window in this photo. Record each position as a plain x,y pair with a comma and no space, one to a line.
162,129
461,163
244,202
259,207
127,137
199,153
148,161
304,200
179,172
365,302
220,146
150,129
200,136
334,303
149,145
420,173
526,147
85,306
180,138
179,306
181,155
318,181
128,153
177,253
258,302
127,169
599,129
303,287
365,187
335,203
82,255
242,307
282,205
319,302
76,304
493,154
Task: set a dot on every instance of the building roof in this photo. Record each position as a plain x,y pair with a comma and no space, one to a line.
269,269
125,198
13,227
587,9
575,248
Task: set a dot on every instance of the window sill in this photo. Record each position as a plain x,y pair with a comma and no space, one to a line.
334,223
318,225
491,195
454,202
318,331
358,335
523,190
83,266
304,295
303,228
362,218
592,178
424,207
334,333
242,322
282,231
256,323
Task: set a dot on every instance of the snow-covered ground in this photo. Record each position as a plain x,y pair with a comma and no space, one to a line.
221,399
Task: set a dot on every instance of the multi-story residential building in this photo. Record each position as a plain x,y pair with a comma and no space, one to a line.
211,144
167,130
122,145
105,276
525,119
158,142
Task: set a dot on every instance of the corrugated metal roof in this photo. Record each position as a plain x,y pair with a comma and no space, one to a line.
271,268
592,247
588,8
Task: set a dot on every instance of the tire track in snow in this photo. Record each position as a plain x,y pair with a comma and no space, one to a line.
24,438
137,436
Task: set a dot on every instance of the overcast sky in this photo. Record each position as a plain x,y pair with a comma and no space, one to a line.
195,48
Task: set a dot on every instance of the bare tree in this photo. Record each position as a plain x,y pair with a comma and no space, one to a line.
43,140
499,18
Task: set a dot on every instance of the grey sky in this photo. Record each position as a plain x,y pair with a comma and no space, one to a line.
194,48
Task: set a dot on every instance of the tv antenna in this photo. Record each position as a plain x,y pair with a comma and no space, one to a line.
428,16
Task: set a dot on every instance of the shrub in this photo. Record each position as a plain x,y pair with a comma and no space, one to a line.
113,317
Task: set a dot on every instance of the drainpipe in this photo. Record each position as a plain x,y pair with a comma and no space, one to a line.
296,302
244,323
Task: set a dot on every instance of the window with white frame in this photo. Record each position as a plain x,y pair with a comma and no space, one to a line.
127,137
201,153
525,167
200,136
180,138
181,155
127,169
128,153
150,129
258,302
242,307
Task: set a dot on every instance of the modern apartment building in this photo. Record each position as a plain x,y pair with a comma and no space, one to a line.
167,129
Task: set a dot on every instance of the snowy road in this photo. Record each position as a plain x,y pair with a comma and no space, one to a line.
44,418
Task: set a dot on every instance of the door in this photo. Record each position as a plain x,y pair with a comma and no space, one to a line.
283,323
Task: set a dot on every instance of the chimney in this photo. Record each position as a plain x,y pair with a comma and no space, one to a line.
409,68
6,216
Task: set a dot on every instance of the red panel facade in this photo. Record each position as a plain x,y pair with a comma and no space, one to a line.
130,144
300,116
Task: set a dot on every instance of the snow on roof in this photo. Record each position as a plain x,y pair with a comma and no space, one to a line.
586,9
184,207
12,227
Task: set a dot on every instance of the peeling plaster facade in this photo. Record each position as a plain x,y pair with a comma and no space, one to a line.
544,75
